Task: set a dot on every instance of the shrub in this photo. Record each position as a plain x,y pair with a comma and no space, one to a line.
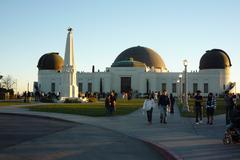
92,99
47,100
72,100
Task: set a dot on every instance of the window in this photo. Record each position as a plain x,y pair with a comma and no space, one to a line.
174,88
205,87
164,86
80,87
195,87
89,87
53,87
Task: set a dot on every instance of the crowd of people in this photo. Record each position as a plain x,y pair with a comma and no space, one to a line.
166,103
230,103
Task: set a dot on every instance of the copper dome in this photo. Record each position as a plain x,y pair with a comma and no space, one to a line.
50,61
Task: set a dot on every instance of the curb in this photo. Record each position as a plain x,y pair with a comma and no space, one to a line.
164,151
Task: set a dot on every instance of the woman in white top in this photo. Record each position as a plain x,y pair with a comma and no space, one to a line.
148,107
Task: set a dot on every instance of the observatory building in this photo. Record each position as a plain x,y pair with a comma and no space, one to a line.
137,69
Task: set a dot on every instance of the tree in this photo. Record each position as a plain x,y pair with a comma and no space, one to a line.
7,82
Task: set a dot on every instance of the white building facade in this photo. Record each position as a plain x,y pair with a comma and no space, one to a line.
137,69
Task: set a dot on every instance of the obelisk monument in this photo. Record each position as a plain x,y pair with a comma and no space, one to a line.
69,81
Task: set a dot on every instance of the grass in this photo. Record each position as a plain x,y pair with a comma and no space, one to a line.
96,109
220,109
10,103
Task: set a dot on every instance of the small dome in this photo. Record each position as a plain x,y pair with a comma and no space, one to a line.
144,55
129,63
215,59
50,61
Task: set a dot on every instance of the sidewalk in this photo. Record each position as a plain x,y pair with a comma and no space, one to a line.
35,138
179,136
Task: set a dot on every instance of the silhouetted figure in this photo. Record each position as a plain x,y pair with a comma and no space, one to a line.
37,96
235,117
172,102
210,107
198,107
107,104
112,103
163,103
25,96
229,105
29,96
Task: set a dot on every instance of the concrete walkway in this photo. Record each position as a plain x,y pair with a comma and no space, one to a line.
35,138
180,136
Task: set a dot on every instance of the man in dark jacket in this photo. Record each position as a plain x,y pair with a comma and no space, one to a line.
198,107
112,102
235,117
162,104
107,104
229,105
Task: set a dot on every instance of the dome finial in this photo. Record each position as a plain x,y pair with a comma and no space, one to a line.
69,29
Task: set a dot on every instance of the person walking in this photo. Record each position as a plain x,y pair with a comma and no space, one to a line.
163,103
235,117
148,107
229,105
198,107
172,101
234,98
107,104
112,103
25,96
210,107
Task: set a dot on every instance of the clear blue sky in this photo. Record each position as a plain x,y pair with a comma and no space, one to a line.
176,29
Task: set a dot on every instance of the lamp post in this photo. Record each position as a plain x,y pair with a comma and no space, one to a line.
185,63
180,87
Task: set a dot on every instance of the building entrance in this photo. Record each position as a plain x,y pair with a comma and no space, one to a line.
125,84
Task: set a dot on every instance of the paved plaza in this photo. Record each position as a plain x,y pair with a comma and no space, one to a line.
27,137
122,137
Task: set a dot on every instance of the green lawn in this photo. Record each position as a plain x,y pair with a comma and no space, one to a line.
219,110
96,109
10,103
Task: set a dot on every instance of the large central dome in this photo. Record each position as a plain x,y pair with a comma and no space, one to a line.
144,55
